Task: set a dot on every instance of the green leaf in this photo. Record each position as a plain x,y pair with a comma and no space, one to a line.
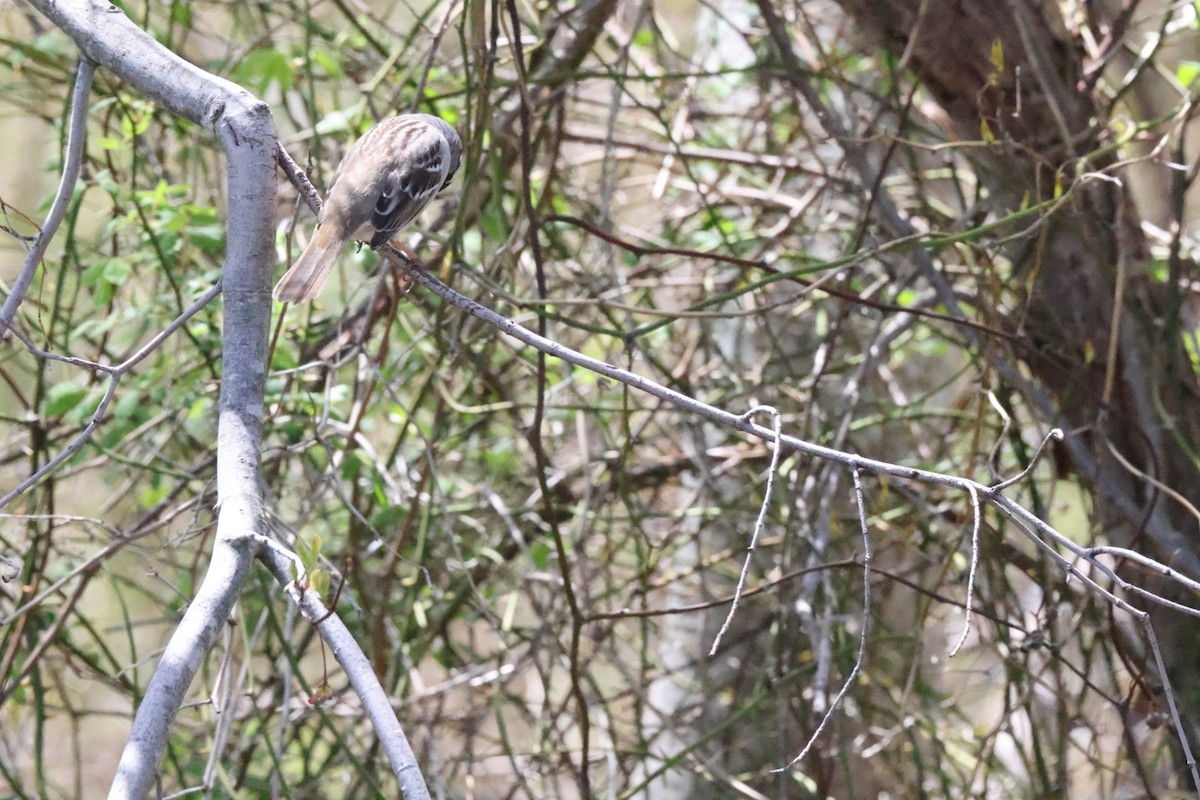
129,406
86,407
494,225
181,14
318,579
500,460
336,121
153,494
540,552
985,132
281,359
104,180
210,237
388,518
262,67
51,45
304,551
327,62
93,274
1186,72
116,270
135,124
61,398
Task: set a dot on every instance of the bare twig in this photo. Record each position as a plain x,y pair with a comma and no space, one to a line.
296,176
975,523
242,124
759,522
1037,529
115,374
77,133
1040,532
864,633
1055,435
358,669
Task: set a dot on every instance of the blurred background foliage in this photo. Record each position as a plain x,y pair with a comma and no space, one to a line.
536,560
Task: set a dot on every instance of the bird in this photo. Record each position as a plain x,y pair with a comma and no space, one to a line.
382,184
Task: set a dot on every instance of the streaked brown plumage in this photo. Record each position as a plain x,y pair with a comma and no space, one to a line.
383,182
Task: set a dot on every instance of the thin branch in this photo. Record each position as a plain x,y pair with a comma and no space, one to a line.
243,126
1188,758
860,658
1157,484
115,374
1040,532
975,518
297,178
77,134
62,614
1055,435
1149,563
346,650
149,523
759,523
775,274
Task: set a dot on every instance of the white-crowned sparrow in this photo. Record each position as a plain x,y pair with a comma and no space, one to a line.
388,176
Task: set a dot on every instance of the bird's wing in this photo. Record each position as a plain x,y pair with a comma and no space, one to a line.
408,188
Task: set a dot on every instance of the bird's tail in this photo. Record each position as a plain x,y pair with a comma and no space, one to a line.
305,279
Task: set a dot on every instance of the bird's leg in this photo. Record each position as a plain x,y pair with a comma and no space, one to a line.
402,265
